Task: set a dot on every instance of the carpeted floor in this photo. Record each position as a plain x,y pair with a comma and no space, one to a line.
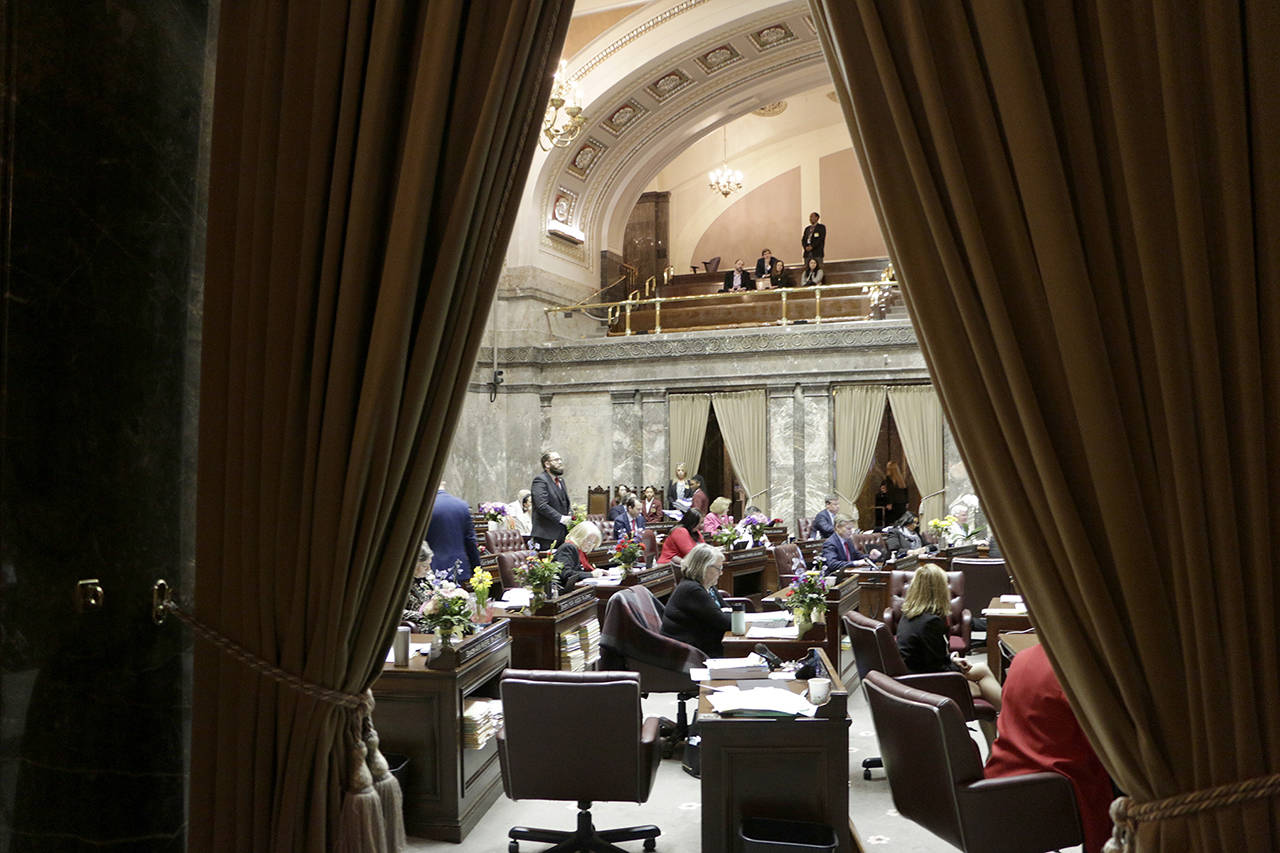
675,805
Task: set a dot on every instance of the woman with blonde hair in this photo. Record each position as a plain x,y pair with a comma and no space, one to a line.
922,634
584,538
716,516
895,483
692,614
680,488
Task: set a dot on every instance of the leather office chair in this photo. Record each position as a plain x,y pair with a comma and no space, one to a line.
784,556
651,550
803,527
498,541
712,265
936,777
631,640
959,622
507,562
544,760
864,542
876,650
984,579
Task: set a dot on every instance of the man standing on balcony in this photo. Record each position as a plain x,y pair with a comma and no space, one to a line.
814,239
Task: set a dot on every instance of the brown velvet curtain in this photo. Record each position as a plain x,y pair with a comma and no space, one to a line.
367,159
1083,203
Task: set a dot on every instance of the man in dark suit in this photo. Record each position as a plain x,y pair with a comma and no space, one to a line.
619,507
737,279
814,240
764,264
550,503
824,523
630,523
452,536
839,551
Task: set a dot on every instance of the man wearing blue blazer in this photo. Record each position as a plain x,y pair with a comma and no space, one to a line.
452,536
630,523
838,551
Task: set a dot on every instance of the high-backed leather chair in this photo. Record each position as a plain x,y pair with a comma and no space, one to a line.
507,563
544,760
651,550
712,265
804,526
498,541
936,777
864,542
984,579
784,556
959,622
876,650
631,640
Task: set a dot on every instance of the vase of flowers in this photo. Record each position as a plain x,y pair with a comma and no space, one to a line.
724,537
806,598
626,553
481,582
539,575
494,512
754,526
447,612
577,515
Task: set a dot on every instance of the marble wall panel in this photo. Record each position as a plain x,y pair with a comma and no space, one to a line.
653,430
782,455
628,446
524,442
580,432
818,464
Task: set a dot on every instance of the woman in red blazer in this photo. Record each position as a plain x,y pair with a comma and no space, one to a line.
651,507
683,536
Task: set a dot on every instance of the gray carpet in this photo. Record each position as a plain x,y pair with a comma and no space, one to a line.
675,805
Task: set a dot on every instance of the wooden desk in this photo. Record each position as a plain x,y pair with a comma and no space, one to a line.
751,571
841,598
447,788
1014,643
535,640
996,625
658,581
787,768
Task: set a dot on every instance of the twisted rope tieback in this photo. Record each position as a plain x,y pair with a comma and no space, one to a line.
1126,814
353,701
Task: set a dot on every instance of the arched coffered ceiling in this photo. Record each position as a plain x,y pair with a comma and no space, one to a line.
660,79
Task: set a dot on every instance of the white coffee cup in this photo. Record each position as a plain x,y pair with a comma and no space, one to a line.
819,690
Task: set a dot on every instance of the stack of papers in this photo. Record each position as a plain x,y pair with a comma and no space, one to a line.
760,702
572,658
481,720
515,598
758,632
769,618
589,640
727,669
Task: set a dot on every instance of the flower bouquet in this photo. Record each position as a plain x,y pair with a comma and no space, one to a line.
481,582
626,553
494,511
754,525
446,612
577,515
539,575
724,537
806,598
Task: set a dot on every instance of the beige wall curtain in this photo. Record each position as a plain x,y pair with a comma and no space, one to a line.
859,411
741,415
1082,202
918,415
366,162
687,414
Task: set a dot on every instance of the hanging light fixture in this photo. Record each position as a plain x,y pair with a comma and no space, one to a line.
724,180
564,119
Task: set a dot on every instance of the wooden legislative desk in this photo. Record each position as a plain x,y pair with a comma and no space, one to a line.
790,768
829,636
535,640
997,624
447,788
750,572
659,581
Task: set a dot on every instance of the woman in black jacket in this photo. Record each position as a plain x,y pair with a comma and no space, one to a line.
693,614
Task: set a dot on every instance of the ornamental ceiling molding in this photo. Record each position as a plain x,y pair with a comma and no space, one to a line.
867,335
648,101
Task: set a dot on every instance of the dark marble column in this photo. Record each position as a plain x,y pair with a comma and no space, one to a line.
645,243
105,126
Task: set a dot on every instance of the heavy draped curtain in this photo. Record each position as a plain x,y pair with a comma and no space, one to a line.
741,415
1083,203
859,411
918,415
367,158
687,415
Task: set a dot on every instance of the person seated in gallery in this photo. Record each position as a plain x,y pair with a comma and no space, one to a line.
902,538
651,507
839,552
922,634
699,499
1037,731
764,266
812,273
584,538
718,516
680,489
781,276
693,613
686,534
737,279
631,522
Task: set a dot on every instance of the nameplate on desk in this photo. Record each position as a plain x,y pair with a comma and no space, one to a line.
492,638
651,575
746,556
572,600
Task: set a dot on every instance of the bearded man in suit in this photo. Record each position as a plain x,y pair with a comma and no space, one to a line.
550,503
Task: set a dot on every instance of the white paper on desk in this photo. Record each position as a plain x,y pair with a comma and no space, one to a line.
1010,599
769,619
414,650
604,581
762,699
759,632
1012,610
517,597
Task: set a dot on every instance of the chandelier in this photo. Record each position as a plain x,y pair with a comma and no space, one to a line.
724,180
564,119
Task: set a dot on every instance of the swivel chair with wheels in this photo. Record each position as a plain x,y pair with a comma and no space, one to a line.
542,757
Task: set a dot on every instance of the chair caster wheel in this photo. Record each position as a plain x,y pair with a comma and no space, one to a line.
513,847
866,774
650,844
668,750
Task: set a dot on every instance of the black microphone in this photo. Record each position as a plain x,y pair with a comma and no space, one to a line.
770,658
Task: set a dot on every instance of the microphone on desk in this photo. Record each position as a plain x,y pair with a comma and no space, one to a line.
770,658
